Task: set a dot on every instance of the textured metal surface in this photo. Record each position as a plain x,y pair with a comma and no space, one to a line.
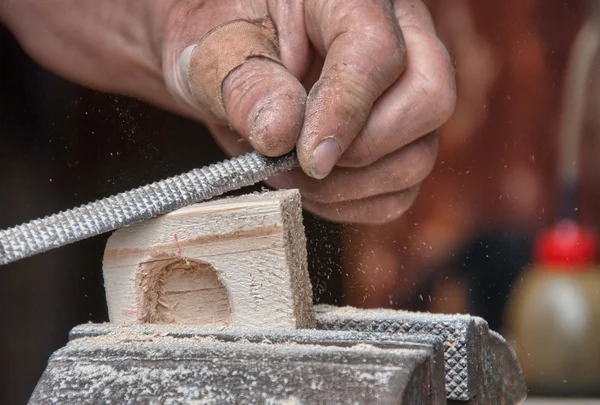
457,333
477,365
177,364
183,364
139,204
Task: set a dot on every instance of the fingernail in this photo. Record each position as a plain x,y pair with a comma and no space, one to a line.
178,82
325,157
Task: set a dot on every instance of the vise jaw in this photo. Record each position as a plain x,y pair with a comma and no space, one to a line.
353,357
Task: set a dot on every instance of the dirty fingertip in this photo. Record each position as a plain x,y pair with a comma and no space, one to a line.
275,122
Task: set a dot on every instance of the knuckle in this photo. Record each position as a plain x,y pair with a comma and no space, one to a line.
384,59
388,47
439,100
439,90
392,48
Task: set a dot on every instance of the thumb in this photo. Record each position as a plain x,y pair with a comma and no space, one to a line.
234,75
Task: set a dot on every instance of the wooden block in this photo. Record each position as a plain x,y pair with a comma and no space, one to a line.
233,262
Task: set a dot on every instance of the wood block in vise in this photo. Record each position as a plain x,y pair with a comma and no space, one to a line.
212,304
234,262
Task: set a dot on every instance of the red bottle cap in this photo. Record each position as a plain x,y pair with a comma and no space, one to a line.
566,247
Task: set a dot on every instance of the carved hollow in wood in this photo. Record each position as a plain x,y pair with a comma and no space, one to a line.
233,262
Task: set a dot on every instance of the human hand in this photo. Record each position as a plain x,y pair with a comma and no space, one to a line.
379,82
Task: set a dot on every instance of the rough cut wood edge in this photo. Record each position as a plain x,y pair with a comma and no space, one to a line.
249,249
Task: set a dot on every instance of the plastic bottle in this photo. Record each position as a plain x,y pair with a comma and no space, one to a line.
553,316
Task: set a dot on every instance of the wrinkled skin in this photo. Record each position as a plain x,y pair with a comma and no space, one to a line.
364,84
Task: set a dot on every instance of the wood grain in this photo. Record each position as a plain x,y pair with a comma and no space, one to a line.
234,262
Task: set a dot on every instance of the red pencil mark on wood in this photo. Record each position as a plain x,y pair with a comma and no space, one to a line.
177,243
129,312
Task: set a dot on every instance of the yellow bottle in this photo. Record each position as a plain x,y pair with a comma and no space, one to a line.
553,316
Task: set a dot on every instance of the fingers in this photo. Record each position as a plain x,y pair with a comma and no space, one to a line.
418,103
250,88
415,14
373,210
337,198
265,104
233,75
401,170
364,50
367,112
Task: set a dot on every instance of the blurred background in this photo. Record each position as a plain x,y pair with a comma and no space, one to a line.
466,246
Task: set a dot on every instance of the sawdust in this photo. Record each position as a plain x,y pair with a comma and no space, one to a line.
145,368
333,313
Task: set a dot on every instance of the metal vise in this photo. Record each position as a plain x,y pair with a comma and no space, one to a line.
353,357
